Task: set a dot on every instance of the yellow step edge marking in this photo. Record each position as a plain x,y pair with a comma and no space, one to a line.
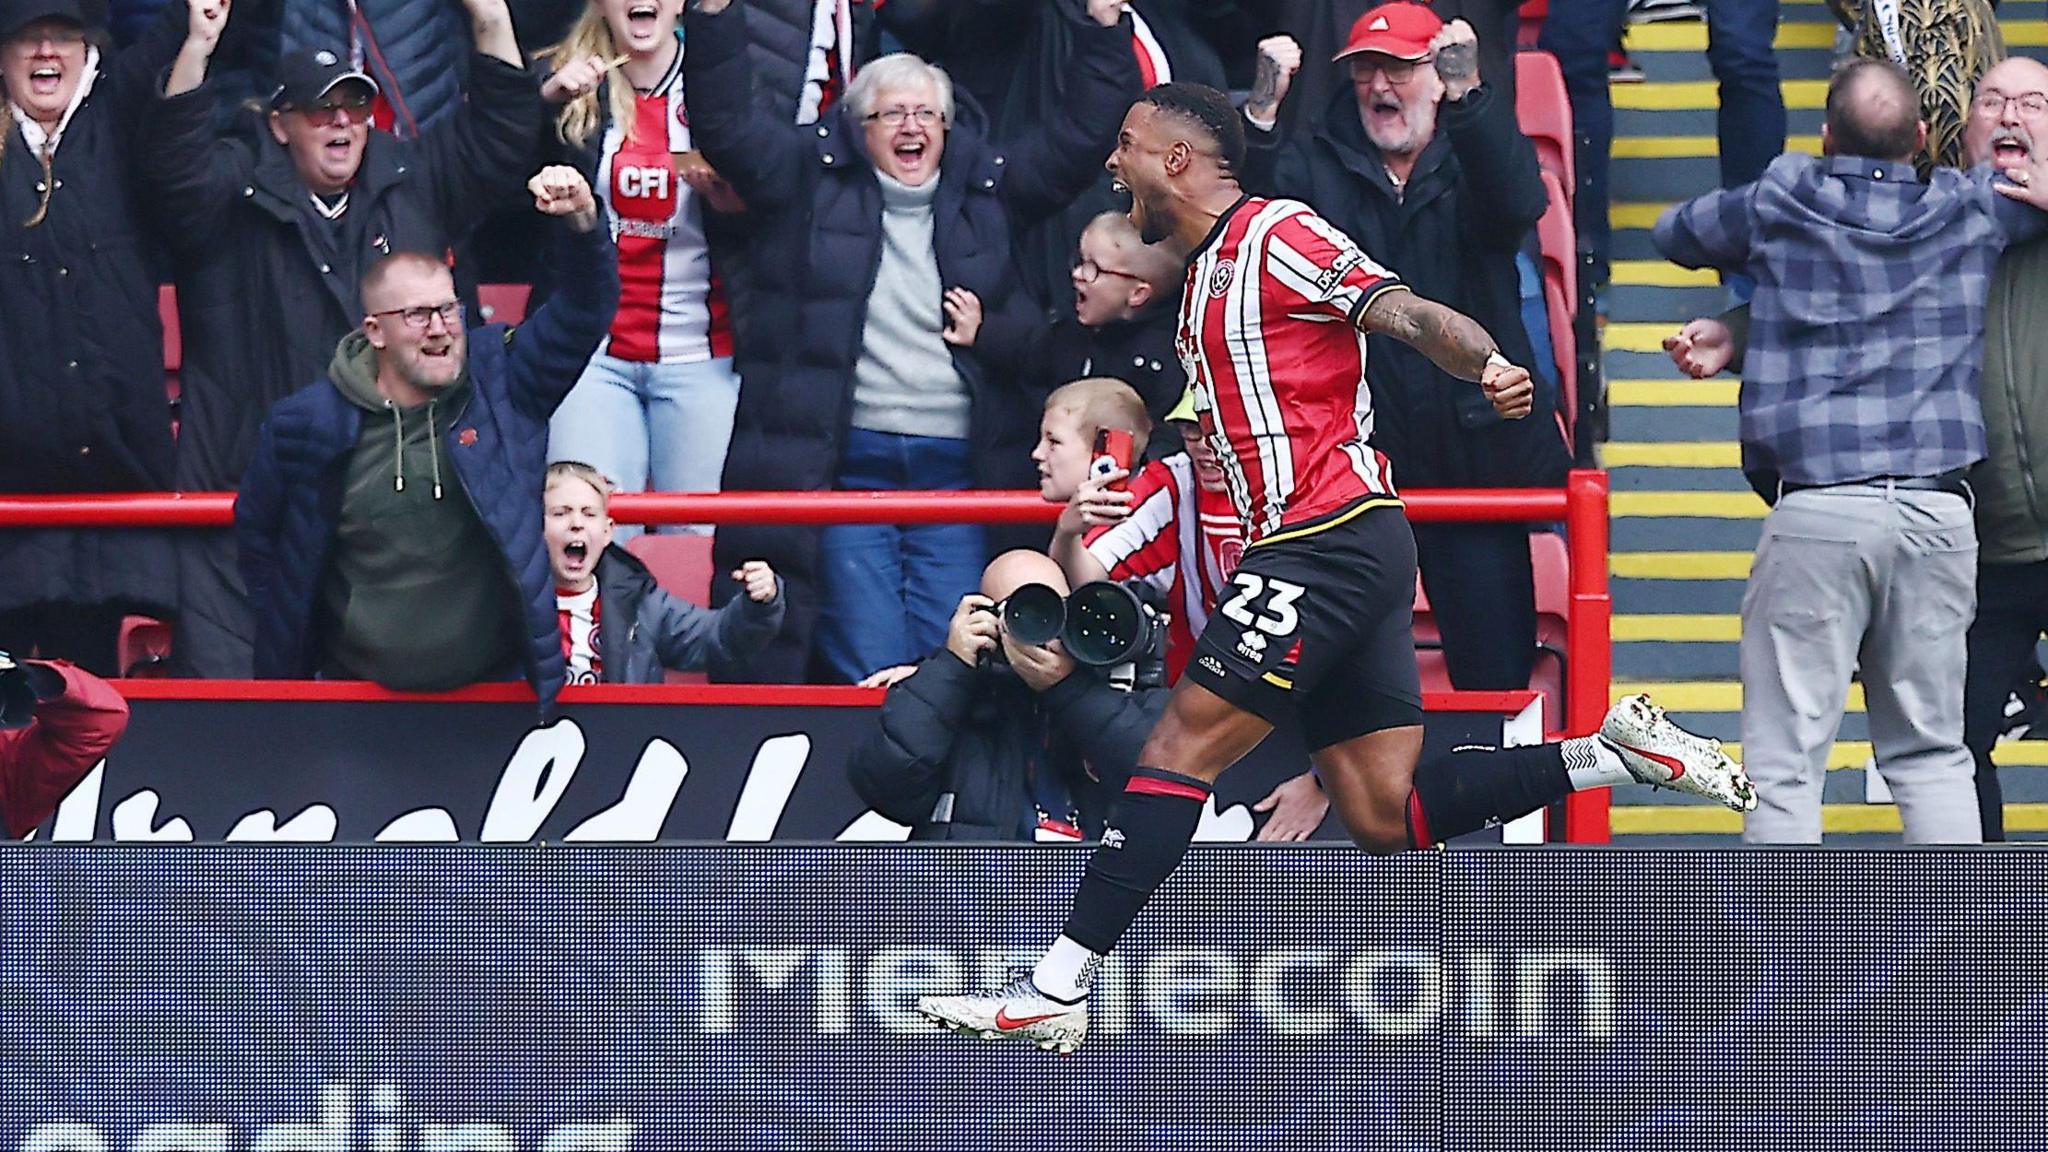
1675,147
1691,36
1623,216
1679,565
1662,274
1719,628
1639,336
1719,392
1711,505
1702,695
1848,754
1705,95
1673,454
1700,819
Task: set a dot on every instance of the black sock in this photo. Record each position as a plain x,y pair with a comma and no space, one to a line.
1474,788
1149,830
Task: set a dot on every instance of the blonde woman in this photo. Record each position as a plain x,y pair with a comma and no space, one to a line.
654,407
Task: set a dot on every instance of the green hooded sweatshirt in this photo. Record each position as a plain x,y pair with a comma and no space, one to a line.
417,596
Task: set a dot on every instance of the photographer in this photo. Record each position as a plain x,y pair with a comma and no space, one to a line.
56,721
994,739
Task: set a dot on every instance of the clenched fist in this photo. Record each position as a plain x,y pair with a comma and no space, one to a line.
1279,60
561,190
1512,391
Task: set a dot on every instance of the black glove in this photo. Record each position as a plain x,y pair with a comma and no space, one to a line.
22,687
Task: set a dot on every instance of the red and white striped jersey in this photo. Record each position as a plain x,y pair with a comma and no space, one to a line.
1269,338
1180,539
578,614
672,307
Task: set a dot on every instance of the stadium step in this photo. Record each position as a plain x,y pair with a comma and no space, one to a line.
1685,523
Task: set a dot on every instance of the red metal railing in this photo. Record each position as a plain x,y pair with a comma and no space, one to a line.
1581,505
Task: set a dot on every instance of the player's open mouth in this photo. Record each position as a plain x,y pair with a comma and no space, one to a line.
575,553
46,80
641,20
2009,149
1119,187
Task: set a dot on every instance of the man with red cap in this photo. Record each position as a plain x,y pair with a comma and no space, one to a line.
1422,163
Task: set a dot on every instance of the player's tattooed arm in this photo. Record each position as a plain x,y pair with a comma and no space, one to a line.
1452,339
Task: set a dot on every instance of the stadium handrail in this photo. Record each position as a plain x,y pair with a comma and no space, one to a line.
1581,505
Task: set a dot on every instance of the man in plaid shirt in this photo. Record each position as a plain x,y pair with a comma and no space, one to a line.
1860,414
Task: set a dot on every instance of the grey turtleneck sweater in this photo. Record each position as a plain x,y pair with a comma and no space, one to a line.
905,382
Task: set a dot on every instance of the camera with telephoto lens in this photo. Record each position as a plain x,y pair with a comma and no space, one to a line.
1104,624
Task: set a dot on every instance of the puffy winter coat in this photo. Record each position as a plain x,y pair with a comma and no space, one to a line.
817,245
82,405
289,508
957,751
1451,235
260,305
657,631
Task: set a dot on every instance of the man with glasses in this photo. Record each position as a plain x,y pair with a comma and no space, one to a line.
390,522
1421,162
271,232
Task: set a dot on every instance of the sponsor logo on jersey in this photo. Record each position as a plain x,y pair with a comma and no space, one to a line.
1251,646
1210,664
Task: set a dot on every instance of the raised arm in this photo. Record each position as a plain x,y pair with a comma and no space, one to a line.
761,157
548,352
1055,160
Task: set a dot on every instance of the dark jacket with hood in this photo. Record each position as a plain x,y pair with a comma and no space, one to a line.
1452,235
963,753
657,631
82,405
493,455
1139,351
817,245
262,295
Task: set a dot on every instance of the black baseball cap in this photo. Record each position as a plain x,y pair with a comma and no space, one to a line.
306,75
18,14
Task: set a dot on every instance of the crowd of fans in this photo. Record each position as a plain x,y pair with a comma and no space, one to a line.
831,264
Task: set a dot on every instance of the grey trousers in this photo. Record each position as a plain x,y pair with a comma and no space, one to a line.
1871,576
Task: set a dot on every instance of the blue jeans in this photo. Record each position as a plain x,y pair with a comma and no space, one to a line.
1751,122
889,590
646,426
1536,319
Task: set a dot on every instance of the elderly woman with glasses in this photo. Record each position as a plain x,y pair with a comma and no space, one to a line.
82,405
882,233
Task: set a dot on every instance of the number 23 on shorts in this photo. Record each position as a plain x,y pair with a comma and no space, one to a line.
1266,604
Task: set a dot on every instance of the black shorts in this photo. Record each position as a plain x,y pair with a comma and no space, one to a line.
1317,622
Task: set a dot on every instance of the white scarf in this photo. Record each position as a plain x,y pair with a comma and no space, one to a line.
42,141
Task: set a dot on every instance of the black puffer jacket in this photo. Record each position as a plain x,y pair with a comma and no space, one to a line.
82,405
261,303
980,736
1472,198
817,246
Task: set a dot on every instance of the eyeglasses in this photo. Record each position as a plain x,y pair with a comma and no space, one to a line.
326,113
894,117
1088,271
60,38
1396,71
423,315
1993,103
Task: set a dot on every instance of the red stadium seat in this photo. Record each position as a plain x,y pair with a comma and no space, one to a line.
503,303
682,566
1545,113
1552,568
1557,237
144,647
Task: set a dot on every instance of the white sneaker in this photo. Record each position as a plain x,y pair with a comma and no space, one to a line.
1018,1009
1661,753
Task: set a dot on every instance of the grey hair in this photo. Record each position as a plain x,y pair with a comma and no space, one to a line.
898,70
